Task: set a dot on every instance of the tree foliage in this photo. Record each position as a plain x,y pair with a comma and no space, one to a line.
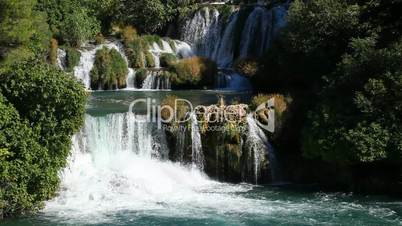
41,108
342,61
23,31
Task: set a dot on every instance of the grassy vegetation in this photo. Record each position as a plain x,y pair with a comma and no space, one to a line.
110,70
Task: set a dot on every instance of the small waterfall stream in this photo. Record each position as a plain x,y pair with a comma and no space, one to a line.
197,154
259,146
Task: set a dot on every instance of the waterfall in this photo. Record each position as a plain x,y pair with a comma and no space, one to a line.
61,58
181,142
87,60
131,79
225,41
197,154
155,80
228,79
117,163
256,33
258,145
203,28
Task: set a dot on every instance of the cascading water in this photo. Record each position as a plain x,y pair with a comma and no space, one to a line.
155,80
197,154
258,145
203,28
87,60
61,58
131,79
228,79
212,37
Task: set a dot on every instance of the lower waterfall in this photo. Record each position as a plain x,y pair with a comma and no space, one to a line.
120,163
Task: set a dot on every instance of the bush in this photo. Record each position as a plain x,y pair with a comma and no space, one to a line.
167,59
129,34
40,109
135,53
247,66
194,72
53,51
79,27
149,59
110,70
148,16
72,58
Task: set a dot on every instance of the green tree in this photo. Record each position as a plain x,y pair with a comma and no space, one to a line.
358,119
153,14
70,20
23,31
40,109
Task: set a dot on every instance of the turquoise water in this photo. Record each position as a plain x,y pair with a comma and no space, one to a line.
255,206
105,185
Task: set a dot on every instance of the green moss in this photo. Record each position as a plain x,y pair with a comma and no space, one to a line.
167,59
72,58
149,59
110,70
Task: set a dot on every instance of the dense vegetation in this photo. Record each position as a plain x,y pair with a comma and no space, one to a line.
342,63
194,72
110,70
41,107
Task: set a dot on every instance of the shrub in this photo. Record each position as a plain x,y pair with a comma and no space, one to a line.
129,34
149,59
247,66
79,26
40,109
167,59
110,70
53,51
72,58
134,52
148,16
194,72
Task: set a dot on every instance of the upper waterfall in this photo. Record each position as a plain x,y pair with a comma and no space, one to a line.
247,32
